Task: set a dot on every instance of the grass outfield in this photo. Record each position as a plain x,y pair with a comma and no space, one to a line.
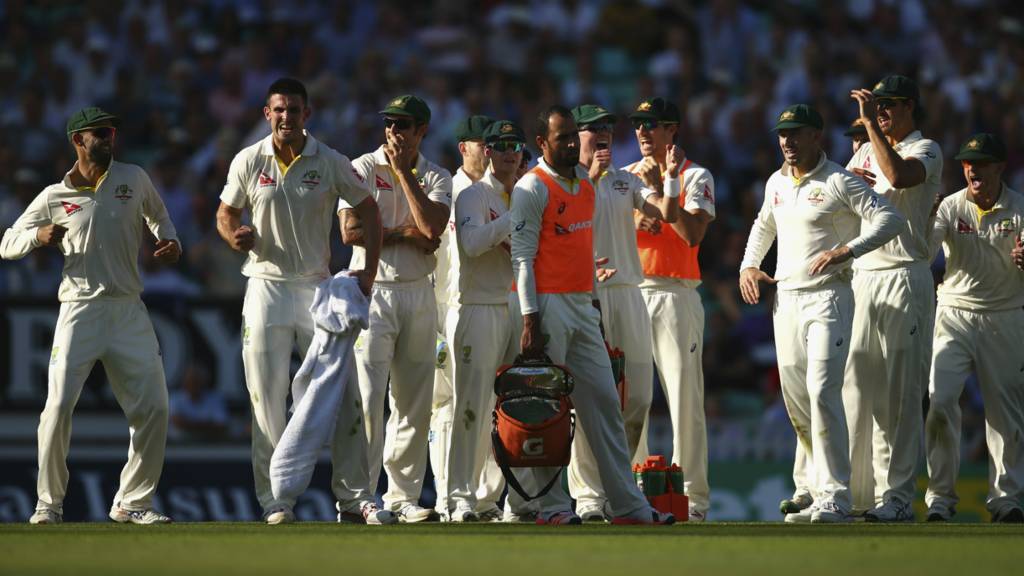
487,550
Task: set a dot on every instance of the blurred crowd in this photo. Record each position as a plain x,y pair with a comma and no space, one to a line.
189,79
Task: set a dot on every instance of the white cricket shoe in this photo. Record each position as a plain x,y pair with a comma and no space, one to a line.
368,514
829,513
565,518
464,515
411,513
801,517
797,503
696,516
528,517
891,511
490,514
281,515
150,516
591,514
940,513
46,516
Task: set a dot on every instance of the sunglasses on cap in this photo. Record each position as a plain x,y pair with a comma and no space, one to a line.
507,146
596,128
398,123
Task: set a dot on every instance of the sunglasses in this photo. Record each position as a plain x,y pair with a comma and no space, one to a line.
645,124
507,146
103,133
596,128
887,103
398,123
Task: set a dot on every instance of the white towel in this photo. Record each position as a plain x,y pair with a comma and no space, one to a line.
340,311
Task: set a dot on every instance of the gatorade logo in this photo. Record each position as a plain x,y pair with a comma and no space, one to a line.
533,447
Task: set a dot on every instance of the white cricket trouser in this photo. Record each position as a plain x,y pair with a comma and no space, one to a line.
275,318
401,343
569,323
118,333
886,376
988,343
439,437
483,341
812,339
677,320
627,327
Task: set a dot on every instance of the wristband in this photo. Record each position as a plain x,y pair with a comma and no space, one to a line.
673,187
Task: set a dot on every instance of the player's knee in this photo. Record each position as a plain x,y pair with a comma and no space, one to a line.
60,406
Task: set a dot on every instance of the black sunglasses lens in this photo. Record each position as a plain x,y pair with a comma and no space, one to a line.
645,124
102,133
398,124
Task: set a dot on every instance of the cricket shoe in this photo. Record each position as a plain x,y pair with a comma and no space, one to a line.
645,516
565,518
368,514
490,514
122,516
1011,515
528,517
891,511
696,516
464,515
411,513
281,515
591,514
46,516
829,513
940,513
795,504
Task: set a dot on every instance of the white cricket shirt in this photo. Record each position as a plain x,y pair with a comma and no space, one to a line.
980,274
482,228
104,231
291,212
399,262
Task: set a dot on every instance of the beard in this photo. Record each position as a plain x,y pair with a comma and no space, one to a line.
100,155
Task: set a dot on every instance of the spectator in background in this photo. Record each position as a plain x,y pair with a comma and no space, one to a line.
198,412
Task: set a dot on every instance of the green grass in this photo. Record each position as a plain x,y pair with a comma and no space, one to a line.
490,550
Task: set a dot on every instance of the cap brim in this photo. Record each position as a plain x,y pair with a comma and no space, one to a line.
643,116
395,112
609,118
977,155
792,124
892,95
851,132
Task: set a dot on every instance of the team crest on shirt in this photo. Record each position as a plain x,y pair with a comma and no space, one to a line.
621,186
123,193
964,227
1005,227
816,196
265,180
382,184
70,208
311,178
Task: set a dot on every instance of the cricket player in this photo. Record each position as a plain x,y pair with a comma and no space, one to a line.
815,209
857,134
894,289
979,327
553,265
668,255
470,135
289,183
414,195
623,312
480,327
96,217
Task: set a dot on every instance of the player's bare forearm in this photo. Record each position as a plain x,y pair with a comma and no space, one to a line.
692,227
662,207
369,215
351,227
430,217
229,219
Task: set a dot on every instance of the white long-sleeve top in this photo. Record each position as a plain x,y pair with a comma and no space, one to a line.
292,211
822,210
914,203
104,231
979,272
617,193
483,274
529,199
399,262
446,273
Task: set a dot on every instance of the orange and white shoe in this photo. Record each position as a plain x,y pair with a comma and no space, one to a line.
565,518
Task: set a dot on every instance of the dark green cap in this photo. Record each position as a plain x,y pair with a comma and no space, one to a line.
91,117
408,105
857,128
983,147
472,128
896,86
656,109
799,115
504,130
590,113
